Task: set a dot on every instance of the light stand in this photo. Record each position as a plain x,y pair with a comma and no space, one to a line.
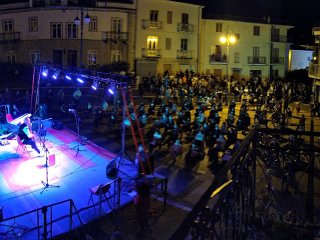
122,153
77,119
46,183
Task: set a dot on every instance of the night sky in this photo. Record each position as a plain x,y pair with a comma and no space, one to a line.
303,14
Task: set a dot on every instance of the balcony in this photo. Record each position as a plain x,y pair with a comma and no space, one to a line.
316,31
151,24
115,36
279,38
151,53
184,27
184,54
9,36
314,70
277,60
257,60
218,59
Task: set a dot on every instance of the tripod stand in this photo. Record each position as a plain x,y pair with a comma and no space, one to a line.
44,147
77,119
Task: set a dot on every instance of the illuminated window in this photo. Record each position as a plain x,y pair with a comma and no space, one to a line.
152,42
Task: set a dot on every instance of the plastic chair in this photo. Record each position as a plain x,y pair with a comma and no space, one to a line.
20,144
100,191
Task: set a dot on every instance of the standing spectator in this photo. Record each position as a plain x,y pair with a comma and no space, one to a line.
142,204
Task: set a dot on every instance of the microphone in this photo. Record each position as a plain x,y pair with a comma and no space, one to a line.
72,110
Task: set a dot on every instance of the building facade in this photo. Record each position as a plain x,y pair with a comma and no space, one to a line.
152,36
314,66
61,33
167,36
248,49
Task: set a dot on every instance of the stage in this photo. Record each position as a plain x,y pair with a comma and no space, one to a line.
69,173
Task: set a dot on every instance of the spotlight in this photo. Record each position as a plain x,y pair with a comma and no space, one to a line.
45,72
95,85
80,80
68,77
56,74
110,90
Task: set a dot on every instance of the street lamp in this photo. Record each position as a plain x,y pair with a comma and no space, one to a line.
83,19
228,39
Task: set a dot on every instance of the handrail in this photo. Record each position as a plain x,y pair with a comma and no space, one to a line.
46,222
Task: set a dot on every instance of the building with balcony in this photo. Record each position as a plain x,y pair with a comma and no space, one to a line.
259,49
46,31
167,36
150,35
314,66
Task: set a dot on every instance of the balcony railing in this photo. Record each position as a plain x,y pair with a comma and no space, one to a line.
256,60
10,36
314,70
277,60
151,24
218,58
184,27
150,53
184,54
279,38
115,36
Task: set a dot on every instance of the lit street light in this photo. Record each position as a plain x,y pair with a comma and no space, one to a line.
80,21
228,39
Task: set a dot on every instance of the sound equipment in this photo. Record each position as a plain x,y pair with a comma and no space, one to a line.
111,169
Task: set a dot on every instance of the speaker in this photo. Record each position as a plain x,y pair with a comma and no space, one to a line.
57,125
111,169
52,159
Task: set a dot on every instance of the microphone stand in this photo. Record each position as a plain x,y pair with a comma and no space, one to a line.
44,147
77,119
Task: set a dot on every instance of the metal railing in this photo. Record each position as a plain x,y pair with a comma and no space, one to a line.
256,60
184,27
151,53
41,221
279,38
10,36
184,54
147,23
271,190
218,58
277,60
116,36
314,70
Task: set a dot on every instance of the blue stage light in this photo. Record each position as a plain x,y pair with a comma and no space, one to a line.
110,90
68,77
95,85
56,74
45,72
80,80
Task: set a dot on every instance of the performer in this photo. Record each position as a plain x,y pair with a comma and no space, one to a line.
25,135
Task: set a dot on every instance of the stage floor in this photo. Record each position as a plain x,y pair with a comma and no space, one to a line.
70,176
